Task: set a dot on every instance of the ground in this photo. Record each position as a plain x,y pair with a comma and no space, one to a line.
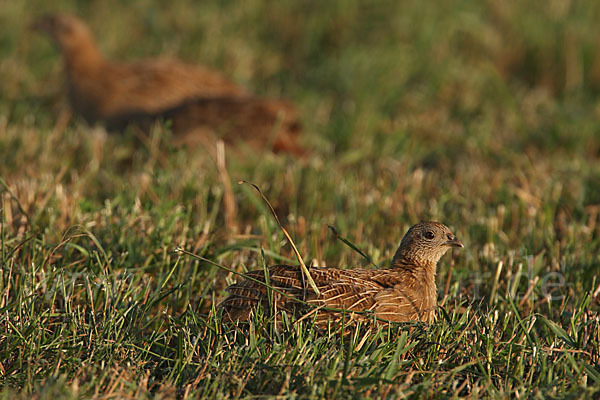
484,115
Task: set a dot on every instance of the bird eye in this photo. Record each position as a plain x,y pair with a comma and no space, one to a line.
429,235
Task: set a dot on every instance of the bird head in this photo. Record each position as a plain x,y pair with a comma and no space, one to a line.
67,31
426,243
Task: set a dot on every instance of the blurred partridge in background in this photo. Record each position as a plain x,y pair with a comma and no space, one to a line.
199,100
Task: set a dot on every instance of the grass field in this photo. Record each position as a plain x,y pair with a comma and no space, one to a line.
484,115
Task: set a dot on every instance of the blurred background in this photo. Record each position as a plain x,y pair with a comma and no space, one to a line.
502,74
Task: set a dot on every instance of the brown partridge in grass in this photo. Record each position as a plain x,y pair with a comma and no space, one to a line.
202,104
102,90
406,291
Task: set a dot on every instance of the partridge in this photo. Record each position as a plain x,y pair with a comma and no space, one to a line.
202,103
406,291
102,90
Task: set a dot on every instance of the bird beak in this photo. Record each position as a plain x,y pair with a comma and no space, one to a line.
454,242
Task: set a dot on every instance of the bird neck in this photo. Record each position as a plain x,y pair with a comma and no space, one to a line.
424,270
82,55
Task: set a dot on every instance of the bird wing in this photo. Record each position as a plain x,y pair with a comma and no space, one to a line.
349,290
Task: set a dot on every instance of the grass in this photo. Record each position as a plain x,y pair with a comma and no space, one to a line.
483,115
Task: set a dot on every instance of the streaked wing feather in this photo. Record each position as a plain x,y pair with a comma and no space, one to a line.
389,295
